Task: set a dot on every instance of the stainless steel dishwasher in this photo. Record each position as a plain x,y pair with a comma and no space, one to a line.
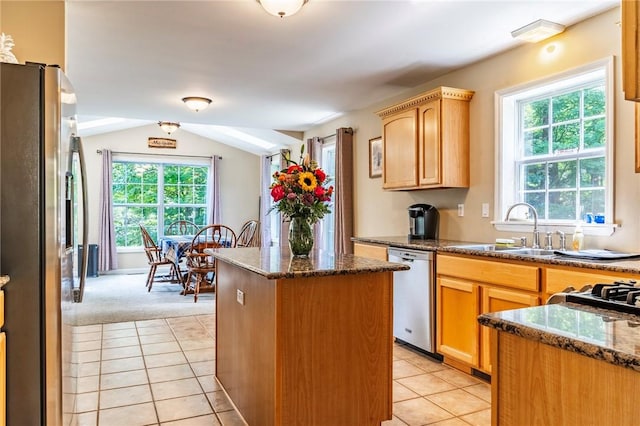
413,298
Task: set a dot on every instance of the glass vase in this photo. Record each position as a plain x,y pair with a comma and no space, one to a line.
300,236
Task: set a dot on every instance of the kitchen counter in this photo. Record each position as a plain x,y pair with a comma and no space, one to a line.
595,333
276,263
631,266
305,341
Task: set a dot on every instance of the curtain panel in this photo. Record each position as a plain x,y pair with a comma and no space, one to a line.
265,201
213,192
107,254
343,203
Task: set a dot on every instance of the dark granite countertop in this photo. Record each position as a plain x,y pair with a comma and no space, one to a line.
631,266
276,263
595,333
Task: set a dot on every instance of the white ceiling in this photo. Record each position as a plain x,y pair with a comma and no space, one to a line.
137,59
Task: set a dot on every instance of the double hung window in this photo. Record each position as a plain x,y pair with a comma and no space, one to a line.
556,147
155,195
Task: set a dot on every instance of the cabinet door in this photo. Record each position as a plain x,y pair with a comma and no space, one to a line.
630,50
400,143
429,164
457,327
496,300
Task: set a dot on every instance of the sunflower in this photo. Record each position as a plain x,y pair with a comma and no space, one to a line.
307,181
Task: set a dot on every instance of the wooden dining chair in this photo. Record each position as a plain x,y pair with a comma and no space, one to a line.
201,266
249,235
155,259
182,227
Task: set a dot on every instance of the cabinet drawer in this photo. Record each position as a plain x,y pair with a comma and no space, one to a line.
557,280
371,251
495,272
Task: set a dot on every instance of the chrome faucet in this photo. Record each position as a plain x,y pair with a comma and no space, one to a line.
536,234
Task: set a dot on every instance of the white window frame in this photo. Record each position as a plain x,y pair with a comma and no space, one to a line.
327,238
165,160
506,128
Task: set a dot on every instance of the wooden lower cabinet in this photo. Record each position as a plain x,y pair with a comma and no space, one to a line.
496,300
371,251
3,366
464,292
457,308
539,384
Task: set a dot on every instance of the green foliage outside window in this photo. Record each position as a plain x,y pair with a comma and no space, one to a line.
562,153
156,195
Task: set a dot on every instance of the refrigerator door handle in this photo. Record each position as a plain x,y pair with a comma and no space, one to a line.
76,146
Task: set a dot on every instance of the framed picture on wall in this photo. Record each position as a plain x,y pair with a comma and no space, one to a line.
375,157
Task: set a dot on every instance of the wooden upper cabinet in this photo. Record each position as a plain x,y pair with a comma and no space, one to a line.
630,50
426,141
399,136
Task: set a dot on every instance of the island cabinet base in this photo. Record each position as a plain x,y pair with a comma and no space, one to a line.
538,384
305,351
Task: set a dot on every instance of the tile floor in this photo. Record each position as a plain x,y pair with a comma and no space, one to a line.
161,372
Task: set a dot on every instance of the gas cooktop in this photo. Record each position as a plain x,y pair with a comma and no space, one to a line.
621,296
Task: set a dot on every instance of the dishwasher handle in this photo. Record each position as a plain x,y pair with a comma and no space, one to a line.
409,255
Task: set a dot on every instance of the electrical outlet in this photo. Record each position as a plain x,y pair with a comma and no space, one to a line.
485,209
460,210
240,296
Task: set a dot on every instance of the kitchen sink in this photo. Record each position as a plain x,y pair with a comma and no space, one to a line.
521,251
530,251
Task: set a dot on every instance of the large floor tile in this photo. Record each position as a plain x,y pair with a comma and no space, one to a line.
209,383
458,402
115,334
163,360
176,388
482,390
426,384
122,364
172,372
457,378
151,323
118,326
219,401
88,369
402,368
401,393
86,402
85,337
182,408
420,411
198,355
130,415
123,379
230,418
157,338
146,331
125,396
120,342
480,418
210,420
160,348
124,352
394,422
204,343
203,368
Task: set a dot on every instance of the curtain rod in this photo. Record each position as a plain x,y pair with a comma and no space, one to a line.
348,130
99,151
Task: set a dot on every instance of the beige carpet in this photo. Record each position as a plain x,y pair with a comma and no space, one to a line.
118,298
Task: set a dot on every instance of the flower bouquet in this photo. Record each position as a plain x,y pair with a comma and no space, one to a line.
300,195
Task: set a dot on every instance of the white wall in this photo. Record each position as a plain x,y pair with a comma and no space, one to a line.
239,176
588,41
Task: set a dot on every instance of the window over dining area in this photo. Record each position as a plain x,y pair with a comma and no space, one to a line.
156,194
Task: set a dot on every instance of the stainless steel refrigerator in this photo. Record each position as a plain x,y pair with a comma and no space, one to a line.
41,225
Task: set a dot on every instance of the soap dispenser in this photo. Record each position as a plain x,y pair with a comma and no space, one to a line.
578,238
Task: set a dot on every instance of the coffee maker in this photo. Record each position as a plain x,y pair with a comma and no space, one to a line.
423,222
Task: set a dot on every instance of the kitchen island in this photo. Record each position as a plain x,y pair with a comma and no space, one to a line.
304,341
564,364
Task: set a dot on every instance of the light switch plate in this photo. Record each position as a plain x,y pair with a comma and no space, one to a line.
240,296
460,210
485,209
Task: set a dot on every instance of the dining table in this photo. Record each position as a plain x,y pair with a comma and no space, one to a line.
174,248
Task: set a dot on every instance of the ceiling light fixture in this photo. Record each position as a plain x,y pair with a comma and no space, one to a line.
282,8
537,31
196,103
168,126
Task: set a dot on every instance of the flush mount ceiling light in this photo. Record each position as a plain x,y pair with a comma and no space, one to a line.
168,126
282,8
537,31
196,103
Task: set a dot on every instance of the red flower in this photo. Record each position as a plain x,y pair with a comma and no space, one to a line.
330,191
319,191
277,192
320,175
294,168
